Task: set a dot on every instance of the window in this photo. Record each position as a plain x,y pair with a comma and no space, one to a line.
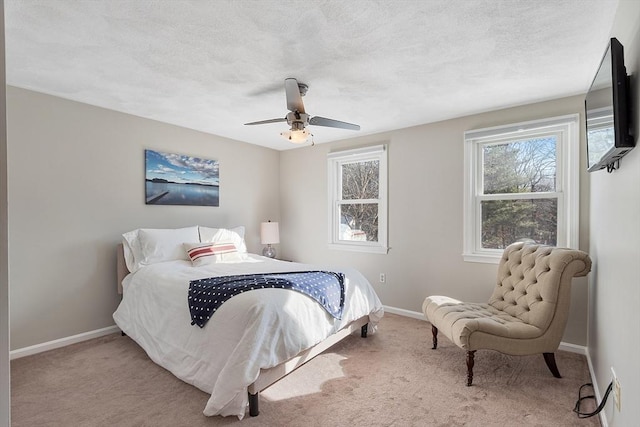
521,183
358,199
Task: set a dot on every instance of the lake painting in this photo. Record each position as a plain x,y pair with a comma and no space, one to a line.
175,179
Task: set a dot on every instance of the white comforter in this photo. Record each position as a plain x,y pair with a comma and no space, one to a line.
253,330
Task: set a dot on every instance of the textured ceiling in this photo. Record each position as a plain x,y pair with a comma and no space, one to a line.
387,64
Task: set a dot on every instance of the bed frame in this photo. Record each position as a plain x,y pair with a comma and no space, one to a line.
269,376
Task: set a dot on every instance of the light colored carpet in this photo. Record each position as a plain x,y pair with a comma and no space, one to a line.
391,378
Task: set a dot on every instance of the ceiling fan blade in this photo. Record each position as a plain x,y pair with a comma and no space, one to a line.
330,123
262,122
294,99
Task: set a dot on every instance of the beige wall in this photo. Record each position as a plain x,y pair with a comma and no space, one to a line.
5,383
614,284
425,213
76,183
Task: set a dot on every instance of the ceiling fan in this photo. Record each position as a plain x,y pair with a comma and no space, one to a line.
298,119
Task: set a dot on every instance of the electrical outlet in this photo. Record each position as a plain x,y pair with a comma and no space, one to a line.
616,389
383,278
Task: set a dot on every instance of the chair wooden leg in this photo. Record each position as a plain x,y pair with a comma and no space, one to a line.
434,332
470,361
550,359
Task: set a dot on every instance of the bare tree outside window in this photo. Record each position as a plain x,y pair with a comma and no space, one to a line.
518,169
359,201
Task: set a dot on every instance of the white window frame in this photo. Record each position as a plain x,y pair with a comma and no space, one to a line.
335,161
567,180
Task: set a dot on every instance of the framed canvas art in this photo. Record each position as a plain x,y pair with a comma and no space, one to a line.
176,179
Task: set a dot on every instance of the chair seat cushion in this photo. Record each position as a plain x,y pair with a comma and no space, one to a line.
468,324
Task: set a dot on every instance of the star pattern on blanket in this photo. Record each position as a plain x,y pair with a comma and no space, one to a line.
207,295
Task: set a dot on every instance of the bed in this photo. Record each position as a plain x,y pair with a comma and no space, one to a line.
252,340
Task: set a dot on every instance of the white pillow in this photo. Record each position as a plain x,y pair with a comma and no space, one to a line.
158,245
132,250
213,253
234,235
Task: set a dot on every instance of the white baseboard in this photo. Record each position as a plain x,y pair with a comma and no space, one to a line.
62,342
596,390
403,312
573,348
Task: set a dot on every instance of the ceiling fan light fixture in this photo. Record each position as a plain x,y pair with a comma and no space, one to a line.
298,119
297,136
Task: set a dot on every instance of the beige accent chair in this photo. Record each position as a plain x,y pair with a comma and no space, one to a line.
527,312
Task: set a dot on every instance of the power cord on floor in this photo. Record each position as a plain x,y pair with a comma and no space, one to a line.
600,407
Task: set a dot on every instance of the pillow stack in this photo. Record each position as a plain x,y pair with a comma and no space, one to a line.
201,245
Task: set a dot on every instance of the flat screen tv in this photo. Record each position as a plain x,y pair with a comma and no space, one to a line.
609,135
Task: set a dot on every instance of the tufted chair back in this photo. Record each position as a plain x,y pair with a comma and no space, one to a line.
534,279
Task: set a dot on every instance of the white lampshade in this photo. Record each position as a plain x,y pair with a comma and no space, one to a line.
269,233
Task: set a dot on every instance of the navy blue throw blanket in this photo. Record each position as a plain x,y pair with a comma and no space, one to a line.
207,295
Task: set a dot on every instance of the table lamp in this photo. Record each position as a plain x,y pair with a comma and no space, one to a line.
269,235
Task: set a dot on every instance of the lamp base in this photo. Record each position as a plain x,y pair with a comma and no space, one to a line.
269,251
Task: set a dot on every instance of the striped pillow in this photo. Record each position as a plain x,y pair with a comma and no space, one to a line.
211,253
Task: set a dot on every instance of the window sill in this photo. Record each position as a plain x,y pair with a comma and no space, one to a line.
359,248
482,258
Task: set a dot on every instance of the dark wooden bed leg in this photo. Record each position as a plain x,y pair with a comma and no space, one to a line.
550,358
364,330
123,334
434,332
470,356
253,404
